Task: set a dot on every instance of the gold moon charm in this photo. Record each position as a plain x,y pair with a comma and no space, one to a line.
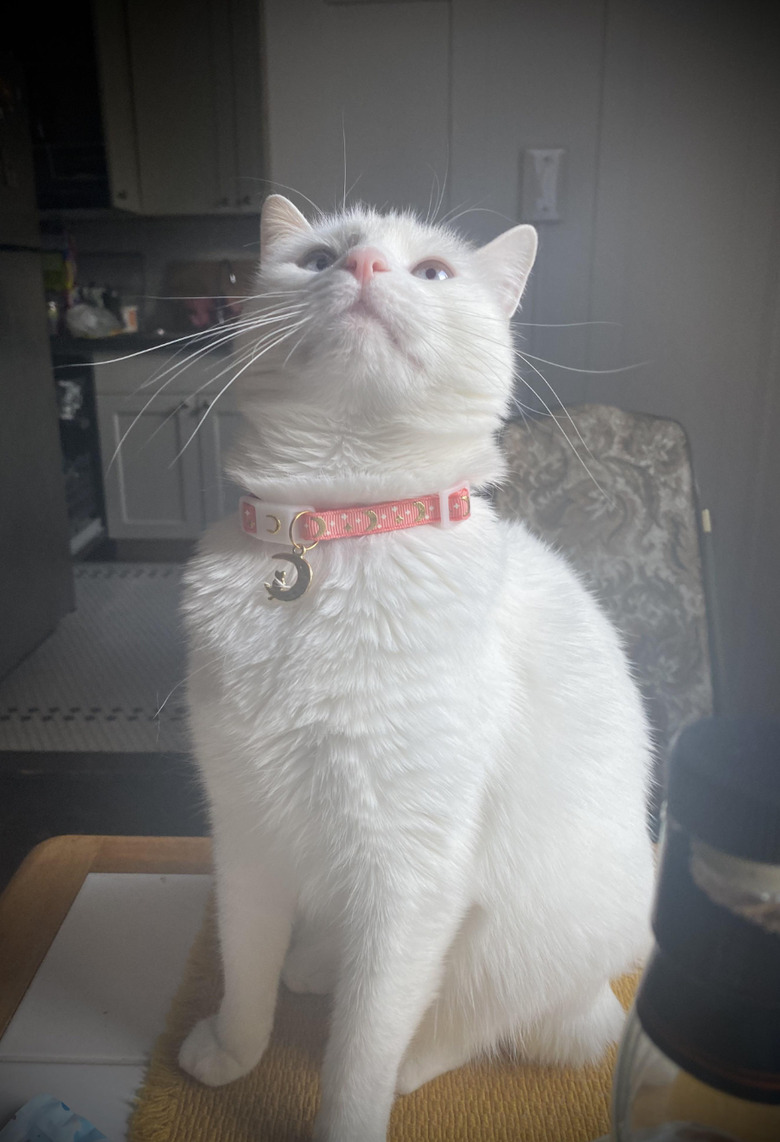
277,521
372,520
322,527
277,588
420,509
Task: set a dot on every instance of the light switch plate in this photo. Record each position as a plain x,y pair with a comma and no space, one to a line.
542,184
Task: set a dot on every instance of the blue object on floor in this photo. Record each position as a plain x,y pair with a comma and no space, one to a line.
46,1119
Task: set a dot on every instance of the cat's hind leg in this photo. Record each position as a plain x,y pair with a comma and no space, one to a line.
433,1052
574,1036
311,964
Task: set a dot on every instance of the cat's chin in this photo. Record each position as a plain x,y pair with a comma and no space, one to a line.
365,324
363,314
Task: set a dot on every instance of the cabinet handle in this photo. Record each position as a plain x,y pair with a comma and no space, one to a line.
121,194
245,201
222,202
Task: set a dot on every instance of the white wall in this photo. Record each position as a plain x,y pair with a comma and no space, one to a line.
380,70
687,256
668,114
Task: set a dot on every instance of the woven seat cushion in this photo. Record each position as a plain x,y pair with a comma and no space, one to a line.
501,1101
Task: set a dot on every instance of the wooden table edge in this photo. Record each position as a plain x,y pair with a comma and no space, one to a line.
43,888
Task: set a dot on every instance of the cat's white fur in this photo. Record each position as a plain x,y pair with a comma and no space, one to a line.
430,771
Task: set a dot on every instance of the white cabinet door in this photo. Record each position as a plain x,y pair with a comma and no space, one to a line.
220,494
248,99
181,92
152,484
181,77
116,103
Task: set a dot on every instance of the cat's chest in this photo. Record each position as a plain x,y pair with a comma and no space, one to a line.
377,701
400,621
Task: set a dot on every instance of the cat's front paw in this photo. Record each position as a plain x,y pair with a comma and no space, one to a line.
204,1057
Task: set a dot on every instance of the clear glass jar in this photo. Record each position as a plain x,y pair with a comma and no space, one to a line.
655,1100
700,1055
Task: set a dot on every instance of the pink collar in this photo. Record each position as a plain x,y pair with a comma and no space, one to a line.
303,526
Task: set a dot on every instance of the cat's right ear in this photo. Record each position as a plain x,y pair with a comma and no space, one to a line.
507,262
280,219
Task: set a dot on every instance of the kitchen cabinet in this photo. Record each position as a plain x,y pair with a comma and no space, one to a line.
181,94
166,480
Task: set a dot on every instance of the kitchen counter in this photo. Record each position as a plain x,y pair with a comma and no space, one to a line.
64,348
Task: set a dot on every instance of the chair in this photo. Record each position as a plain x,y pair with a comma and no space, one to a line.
617,498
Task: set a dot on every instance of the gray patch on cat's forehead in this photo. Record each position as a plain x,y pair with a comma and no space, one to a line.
344,230
349,230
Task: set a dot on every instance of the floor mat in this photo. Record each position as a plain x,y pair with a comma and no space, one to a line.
110,677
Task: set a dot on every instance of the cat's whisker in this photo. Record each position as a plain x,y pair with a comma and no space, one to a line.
186,678
248,352
235,359
548,410
274,183
561,324
211,296
182,364
539,373
453,217
460,211
295,346
442,308
443,188
157,393
177,368
225,332
434,184
522,409
608,499
253,355
151,348
354,184
344,144
593,372
224,389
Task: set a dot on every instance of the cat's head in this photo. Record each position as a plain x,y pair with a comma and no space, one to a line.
384,320
383,308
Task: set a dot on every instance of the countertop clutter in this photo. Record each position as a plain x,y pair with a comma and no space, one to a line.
155,405
65,349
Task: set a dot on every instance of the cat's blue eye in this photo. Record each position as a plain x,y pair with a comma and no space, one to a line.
317,261
433,270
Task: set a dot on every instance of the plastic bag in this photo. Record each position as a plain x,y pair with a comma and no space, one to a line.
46,1119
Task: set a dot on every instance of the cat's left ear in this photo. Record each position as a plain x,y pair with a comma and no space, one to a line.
279,219
507,262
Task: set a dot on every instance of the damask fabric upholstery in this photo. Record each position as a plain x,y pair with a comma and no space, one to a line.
617,499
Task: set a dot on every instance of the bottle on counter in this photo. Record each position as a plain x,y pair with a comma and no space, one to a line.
700,1056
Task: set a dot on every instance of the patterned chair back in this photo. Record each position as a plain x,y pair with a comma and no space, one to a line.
629,524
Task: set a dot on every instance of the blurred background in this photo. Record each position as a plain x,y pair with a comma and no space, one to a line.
139,140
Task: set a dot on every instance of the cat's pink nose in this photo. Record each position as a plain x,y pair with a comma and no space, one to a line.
364,262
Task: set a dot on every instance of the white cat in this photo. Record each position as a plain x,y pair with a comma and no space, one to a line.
430,769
